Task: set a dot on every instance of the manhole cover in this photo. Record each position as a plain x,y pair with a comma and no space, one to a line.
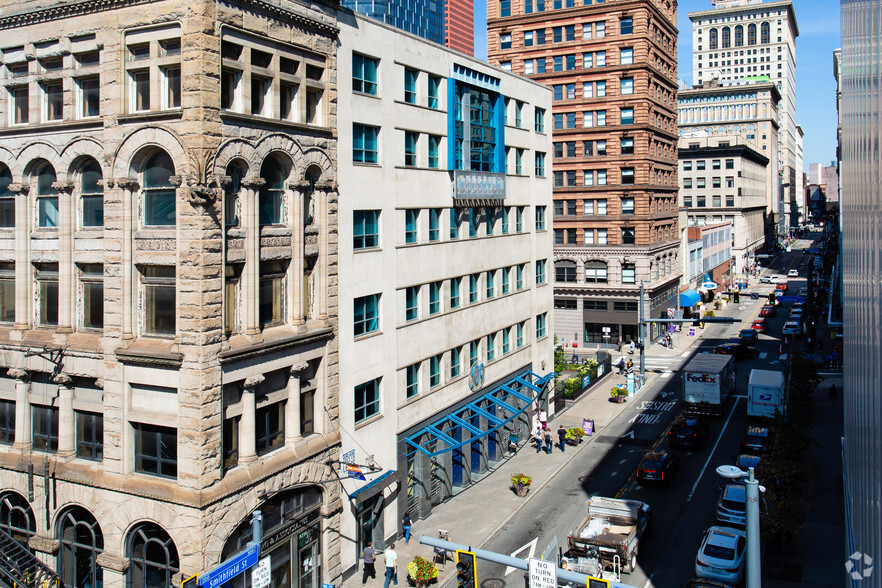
493,583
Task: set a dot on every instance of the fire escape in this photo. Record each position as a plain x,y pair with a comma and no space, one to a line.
20,567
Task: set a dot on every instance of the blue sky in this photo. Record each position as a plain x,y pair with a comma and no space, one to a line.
819,35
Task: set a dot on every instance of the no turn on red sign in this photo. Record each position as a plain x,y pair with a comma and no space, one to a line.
543,574
261,574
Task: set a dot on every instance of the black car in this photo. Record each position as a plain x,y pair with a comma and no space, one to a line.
687,431
738,350
756,440
748,336
657,467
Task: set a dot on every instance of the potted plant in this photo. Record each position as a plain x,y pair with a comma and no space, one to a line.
574,435
618,394
521,483
422,572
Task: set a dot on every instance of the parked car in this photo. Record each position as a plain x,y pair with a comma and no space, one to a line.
793,273
759,325
781,287
768,310
746,460
657,467
748,336
792,327
732,504
687,431
756,440
721,555
796,314
738,350
707,583
766,280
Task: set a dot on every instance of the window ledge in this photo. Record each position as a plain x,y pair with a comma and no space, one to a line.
275,231
229,116
53,126
370,335
152,116
151,352
368,421
363,164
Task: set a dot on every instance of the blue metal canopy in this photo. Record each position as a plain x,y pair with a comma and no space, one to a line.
497,408
373,487
689,298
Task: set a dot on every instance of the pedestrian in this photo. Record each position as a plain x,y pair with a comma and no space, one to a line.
633,347
630,365
537,437
406,526
562,437
368,555
620,344
391,559
549,444
543,419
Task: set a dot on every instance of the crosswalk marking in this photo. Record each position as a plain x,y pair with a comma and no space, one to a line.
667,374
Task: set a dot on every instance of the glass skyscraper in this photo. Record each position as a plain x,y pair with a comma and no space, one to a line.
420,17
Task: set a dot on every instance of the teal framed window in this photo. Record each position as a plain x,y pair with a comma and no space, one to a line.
365,229
434,89
159,193
434,224
473,288
410,85
519,219
434,297
506,335
489,285
367,314
474,221
490,218
410,148
271,193
7,198
454,223
411,217
627,116
505,280
473,353
411,303
364,143
540,271
434,371
519,162
540,325
455,362
364,74
412,386
503,217
540,218
491,346
434,147
540,164
519,277
92,195
539,120
520,335
454,292
367,400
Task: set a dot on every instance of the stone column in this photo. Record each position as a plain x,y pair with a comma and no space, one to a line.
66,424
66,275
295,269
23,440
23,302
130,188
323,263
293,433
251,271
247,422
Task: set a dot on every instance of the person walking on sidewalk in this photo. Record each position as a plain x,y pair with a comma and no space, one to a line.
562,437
368,556
549,444
406,526
391,559
543,419
537,437
632,347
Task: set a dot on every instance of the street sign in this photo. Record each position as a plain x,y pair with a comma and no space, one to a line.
543,574
671,312
261,575
691,331
230,568
606,329
791,298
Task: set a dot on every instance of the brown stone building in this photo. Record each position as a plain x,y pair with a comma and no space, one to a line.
168,288
612,67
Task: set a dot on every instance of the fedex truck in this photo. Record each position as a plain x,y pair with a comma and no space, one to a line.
708,380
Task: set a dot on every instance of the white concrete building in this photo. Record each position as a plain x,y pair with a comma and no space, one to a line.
742,41
445,270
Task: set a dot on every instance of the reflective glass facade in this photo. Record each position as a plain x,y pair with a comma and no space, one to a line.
420,17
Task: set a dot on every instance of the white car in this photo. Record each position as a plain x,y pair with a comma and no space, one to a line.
793,273
769,280
721,555
791,328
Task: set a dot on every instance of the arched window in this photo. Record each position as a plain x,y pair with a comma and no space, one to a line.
47,197
16,518
751,34
713,35
270,201
565,271
81,542
765,35
153,557
92,194
235,171
7,198
726,37
739,36
595,272
159,193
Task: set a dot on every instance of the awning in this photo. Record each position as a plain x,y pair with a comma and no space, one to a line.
689,298
496,409
373,487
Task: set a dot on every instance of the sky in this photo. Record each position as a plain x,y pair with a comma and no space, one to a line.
819,35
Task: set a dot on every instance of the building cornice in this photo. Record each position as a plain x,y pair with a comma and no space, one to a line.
732,150
748,8
732,89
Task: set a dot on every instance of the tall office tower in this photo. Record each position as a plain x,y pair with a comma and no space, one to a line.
612,67
449,22
861,218
741,41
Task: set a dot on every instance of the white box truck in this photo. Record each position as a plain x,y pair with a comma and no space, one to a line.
765,394
708,380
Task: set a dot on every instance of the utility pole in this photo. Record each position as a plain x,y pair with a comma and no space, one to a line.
641,332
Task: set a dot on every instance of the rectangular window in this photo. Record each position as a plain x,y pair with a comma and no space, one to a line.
627,86
412,384
519,161
687,166
313,106
540,164
490,342
519,277
588,236
700,165
47,282
519,330
454,223
700,183
232,274
539,120
627,206
505,8
601,178
367,400
53,103
364,74
156,450
7,292
715,182
434,224
601,89
410,85
364,143
434,371
540,325
601,237
730,201
271,292
171,87
454,362
454,292
434,298
45,428
505,280
505,41
600,57
367,314
434,89
627,146
473,288
270,428
410,148
519,219
627,116
540,218
626,56
489,285
627,175
626,25
434,147
365,229
600,29
139,99
411,303
20,105
490,219
730,164
601,118
540,271
7,422
700,201
90,435
628,236
411,218
629,274
92,279
504,212
474,220
473,353
506,344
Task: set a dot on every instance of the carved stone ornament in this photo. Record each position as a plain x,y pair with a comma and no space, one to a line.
253,183
18,374
63,380
66,187
329,186
99,383
254,381
19,188
130,184
299,367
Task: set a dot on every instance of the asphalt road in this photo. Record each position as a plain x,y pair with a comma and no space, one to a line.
683,510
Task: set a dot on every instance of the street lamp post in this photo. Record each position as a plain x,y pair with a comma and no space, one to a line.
751,492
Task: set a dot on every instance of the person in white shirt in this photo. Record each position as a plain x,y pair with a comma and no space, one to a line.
391,566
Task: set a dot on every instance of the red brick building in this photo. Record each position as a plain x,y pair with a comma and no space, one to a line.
612,66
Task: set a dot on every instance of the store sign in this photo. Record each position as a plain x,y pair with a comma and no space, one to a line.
288,530
476,185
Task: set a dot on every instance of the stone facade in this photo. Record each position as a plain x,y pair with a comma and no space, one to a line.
168,253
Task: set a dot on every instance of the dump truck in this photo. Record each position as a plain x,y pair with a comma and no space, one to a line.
708,380
611,531
765,394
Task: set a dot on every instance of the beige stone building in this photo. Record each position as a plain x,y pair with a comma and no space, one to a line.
168,283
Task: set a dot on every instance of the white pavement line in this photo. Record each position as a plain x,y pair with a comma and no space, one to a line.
667,374
532,545
709,457
649,581
686,354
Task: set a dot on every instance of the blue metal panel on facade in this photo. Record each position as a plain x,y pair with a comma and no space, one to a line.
499,123
451,124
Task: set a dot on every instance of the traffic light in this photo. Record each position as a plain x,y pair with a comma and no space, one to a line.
696,321
191,582
736,297
772,298
466,570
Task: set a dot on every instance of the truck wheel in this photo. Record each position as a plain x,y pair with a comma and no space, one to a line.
632,564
